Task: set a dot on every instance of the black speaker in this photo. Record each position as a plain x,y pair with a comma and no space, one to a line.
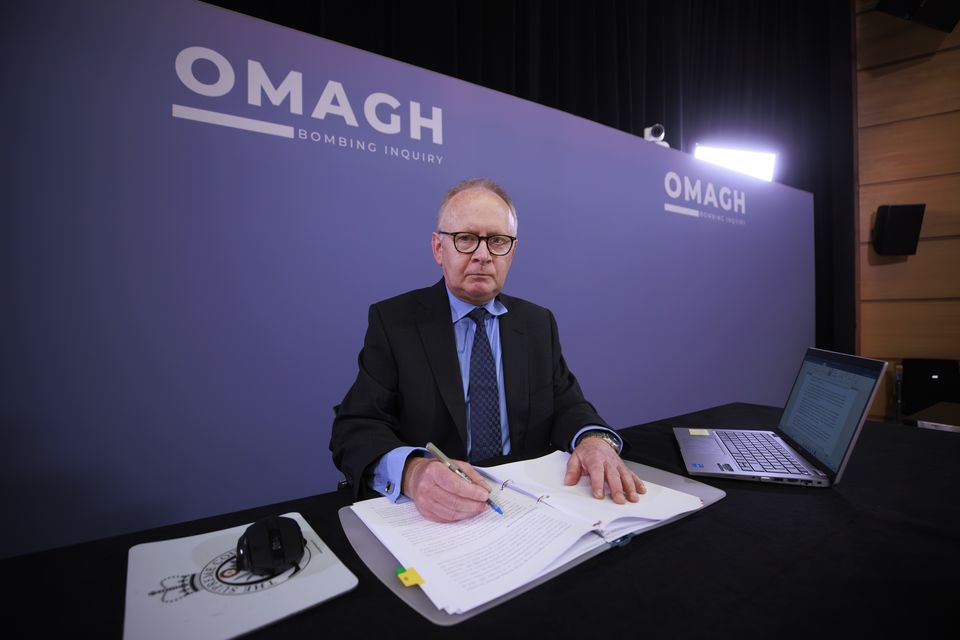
897,229
939,14
927,381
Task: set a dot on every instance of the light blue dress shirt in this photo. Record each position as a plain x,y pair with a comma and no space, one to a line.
388,472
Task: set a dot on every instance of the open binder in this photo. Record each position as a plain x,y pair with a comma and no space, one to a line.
384,565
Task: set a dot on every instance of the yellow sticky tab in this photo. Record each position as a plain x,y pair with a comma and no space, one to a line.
410,577
699,432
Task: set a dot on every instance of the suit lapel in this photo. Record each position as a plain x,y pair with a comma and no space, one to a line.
513,344
439,343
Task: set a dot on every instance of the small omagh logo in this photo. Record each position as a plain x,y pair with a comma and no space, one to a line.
702,199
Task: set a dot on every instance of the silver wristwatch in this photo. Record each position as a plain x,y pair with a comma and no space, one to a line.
603,435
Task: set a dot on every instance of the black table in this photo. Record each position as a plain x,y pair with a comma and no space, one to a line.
878,552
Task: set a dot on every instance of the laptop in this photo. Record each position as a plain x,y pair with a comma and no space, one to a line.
818,429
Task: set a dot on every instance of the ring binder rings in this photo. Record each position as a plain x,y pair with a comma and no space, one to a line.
383,563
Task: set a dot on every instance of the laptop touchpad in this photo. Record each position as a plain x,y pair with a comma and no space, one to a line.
703,445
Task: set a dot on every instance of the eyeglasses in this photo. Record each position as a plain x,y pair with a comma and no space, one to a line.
466,242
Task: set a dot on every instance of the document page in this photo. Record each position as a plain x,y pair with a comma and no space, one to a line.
468,563
543,477
823,404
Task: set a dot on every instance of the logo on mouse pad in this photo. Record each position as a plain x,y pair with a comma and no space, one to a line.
222,577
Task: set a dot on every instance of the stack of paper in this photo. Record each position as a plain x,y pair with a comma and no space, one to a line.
544,525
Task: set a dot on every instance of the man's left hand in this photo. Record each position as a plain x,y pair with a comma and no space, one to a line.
597,459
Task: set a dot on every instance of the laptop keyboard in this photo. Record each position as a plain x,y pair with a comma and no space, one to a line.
757,451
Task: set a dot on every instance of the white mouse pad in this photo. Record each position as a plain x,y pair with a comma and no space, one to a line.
191,587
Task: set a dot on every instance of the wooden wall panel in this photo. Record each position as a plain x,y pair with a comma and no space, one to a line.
921,329
934,272
919,87
941,194
910,149
883,38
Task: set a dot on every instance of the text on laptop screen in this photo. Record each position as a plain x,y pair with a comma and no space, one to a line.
825,407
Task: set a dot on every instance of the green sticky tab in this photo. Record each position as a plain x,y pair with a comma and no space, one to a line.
699,432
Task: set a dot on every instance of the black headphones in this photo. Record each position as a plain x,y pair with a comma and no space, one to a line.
270,546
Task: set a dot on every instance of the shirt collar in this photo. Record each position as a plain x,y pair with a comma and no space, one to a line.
459,309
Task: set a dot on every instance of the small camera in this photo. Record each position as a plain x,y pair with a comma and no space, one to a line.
655,134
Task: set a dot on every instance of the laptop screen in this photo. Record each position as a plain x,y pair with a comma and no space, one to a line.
828,404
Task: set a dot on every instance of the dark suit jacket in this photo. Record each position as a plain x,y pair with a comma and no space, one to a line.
409,390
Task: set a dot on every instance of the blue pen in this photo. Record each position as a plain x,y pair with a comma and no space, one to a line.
432,448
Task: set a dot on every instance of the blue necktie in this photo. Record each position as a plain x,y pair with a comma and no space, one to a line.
484,394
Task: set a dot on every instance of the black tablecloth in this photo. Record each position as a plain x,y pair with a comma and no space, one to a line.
875,553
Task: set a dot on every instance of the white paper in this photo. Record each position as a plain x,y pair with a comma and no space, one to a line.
468,563
543,477
190,587
926,424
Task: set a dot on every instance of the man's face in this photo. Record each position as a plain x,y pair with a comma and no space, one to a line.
474,277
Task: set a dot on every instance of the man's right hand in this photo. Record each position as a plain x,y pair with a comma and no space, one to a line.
440,494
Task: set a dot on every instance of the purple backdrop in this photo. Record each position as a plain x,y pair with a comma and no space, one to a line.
184,301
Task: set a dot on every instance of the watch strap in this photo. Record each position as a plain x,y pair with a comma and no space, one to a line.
603,435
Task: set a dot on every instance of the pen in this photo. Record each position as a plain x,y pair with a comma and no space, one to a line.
432,448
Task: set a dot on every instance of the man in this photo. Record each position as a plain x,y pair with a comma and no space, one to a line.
478,373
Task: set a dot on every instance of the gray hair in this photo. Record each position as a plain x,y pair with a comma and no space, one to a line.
476,183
